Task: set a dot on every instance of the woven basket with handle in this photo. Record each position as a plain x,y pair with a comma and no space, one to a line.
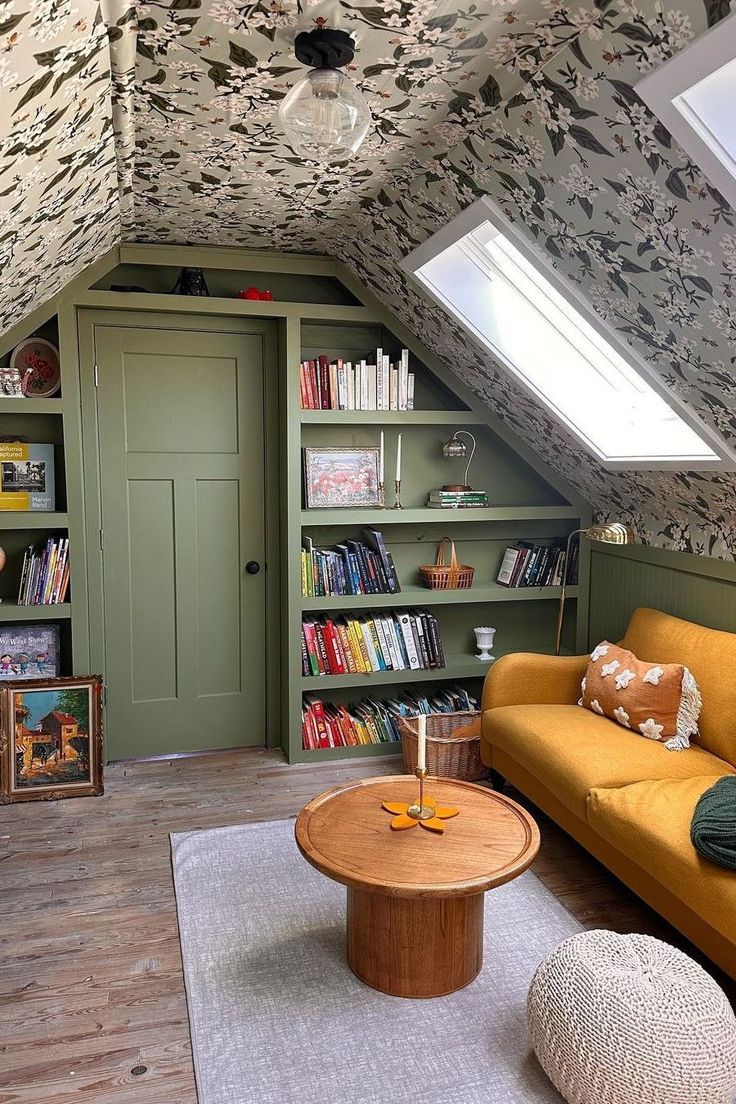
443,576
453,745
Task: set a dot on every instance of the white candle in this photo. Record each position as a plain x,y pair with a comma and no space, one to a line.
398,460
380,461
422,742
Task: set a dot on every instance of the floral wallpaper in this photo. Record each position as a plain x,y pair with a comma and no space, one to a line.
529,101
58,170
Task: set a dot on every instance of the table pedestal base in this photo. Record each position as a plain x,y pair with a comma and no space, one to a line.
414,946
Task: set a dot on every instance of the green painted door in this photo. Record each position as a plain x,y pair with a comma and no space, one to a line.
180,417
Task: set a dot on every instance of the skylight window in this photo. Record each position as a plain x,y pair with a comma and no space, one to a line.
693,95
513,302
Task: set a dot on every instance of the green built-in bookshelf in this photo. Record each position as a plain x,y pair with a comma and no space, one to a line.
526,502
53,421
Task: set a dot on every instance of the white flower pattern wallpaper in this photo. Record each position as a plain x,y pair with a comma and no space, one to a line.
156,122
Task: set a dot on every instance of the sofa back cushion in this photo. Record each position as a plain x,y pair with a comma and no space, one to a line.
711,656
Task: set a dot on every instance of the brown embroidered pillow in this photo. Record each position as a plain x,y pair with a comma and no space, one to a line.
659,701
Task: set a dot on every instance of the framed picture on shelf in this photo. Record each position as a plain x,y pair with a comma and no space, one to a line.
10,383
51,739
336,478
36,362
26,476
29,652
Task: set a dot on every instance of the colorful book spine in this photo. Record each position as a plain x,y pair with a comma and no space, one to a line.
328,724
409,641
44,577
338,384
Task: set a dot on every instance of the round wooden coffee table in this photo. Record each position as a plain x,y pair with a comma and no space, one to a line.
415,898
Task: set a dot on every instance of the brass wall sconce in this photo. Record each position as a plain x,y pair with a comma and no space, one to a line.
455,449
613,533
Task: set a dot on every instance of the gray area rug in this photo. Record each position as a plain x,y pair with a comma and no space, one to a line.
277,1016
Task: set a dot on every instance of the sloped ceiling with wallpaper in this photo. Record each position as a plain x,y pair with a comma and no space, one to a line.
529,101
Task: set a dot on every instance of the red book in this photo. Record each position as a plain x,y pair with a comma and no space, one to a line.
303,394
334,659
324,663
323,736
309,730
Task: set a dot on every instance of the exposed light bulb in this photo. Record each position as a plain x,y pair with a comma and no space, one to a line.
324,116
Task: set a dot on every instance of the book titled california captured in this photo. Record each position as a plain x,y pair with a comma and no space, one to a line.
26,476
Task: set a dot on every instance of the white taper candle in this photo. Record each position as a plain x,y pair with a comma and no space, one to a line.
380,461
398,460
422,742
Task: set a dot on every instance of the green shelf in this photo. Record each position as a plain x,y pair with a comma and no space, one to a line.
31,406
420,596
426,516
390,417
457,667
39,519
359,751
9,611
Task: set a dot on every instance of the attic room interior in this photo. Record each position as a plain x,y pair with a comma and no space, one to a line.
324,776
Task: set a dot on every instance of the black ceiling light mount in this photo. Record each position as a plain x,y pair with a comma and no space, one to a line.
324,116
324,48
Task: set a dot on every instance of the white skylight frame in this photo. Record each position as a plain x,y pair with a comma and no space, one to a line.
671,93
485,214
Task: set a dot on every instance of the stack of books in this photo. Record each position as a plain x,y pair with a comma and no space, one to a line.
406,641
456,500
344,385
369,721
44,577
354,567
537,565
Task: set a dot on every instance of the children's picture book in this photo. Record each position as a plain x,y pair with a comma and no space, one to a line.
29,652
26,476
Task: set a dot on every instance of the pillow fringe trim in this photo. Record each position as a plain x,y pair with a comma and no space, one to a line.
686,724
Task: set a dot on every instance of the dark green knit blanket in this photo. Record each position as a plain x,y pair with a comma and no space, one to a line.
713,828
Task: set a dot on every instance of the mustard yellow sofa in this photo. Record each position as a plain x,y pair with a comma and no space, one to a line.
626,799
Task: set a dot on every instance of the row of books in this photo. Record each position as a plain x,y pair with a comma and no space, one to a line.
354,567
456,500
372,721
406,641
344,385
44,577
537,565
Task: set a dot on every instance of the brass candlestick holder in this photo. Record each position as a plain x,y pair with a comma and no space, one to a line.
382,494
424,811
397,488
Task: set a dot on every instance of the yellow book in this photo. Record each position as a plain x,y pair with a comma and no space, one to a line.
355,646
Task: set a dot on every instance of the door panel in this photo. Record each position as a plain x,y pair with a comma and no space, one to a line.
181,457
152,591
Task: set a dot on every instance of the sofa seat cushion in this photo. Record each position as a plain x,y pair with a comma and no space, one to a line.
571,751
650,823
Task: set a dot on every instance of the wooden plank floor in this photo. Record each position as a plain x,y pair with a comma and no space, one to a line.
92,1003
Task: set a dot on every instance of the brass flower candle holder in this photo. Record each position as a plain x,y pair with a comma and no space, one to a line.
424,811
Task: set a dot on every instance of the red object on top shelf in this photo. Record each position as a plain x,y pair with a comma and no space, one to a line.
254,293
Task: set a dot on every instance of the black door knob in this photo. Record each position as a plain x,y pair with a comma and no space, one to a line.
252,567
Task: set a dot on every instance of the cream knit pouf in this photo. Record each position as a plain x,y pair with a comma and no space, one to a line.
627,1019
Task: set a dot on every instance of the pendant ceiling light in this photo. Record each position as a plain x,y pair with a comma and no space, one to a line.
324,116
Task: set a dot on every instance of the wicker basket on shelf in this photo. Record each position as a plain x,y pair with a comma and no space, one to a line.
453,745
443,576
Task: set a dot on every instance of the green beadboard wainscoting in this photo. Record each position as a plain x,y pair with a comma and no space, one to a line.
697,588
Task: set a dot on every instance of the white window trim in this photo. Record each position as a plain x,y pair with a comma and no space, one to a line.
485,210
660,90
